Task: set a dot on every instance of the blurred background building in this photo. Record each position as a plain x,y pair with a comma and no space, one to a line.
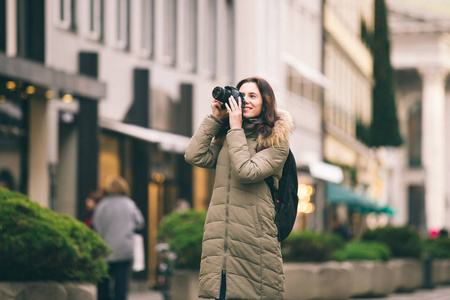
93,88
421,56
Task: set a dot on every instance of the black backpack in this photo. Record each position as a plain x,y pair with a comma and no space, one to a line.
286,197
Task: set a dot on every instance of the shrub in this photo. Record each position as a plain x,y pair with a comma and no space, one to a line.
403,241
39,244
183,231
361,250
310,246
437,248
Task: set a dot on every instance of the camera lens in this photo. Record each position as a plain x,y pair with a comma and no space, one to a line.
218,92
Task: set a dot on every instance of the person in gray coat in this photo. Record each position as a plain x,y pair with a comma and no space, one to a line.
116,218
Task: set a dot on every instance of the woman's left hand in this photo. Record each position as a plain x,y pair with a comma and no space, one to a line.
234,112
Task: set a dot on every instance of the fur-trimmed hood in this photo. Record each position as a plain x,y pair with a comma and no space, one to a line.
283,126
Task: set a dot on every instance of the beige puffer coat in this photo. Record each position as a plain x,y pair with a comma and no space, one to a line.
240,235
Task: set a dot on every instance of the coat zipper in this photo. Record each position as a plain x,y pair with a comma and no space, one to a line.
225,242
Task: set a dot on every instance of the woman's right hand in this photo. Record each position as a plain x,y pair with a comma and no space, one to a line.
217,111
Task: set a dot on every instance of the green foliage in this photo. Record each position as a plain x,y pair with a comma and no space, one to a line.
403,241
385,128
363,132
437,248
310,246
366,35
361,250
39,244
183,231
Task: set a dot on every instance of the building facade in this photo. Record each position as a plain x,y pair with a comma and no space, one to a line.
348,64
421,56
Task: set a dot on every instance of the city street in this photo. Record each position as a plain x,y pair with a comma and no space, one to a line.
439,293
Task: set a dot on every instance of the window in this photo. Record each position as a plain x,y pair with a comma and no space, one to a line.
230,37
415,135
2,25
123,24
147,30
211,34
208,38
31,29
302,86
188,35
416,206
170,33
95,19
65,14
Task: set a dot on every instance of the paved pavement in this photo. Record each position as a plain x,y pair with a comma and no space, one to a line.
439,293
145,295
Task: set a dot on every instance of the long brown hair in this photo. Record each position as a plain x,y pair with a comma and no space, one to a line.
268,112
268,115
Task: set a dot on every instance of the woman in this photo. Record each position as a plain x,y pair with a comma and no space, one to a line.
241,256
116,218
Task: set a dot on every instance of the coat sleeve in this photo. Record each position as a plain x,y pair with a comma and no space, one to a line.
249,169
202,151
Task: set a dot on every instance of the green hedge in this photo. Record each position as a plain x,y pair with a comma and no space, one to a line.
402,241
183,231
437,248
361,250
39,244
310,246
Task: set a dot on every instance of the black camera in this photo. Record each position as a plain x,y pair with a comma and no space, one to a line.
223,93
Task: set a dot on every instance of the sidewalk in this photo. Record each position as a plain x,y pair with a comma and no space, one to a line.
145,295
438,293
139,291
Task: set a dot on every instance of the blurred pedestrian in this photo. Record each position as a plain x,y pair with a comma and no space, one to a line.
91,202
116,218
341,229
245,143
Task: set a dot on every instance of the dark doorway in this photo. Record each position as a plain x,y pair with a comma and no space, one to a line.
416,207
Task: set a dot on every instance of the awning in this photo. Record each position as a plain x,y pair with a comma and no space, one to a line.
337,194
327,172
166,140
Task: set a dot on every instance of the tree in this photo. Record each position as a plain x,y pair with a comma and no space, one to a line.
385,128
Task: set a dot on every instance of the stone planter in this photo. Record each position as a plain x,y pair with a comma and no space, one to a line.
333,280
361,278
301,281
184,285
47,290
408,274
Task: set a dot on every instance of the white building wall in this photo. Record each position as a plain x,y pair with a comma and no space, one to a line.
420,43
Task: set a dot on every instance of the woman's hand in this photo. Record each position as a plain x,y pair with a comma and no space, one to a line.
217,111
234,112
